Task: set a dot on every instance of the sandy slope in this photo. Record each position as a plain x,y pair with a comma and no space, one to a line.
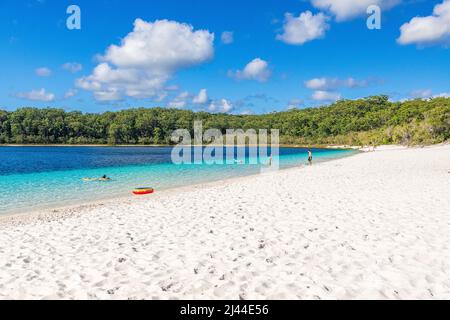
376,225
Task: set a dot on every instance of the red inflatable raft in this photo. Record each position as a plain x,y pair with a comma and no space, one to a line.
142,191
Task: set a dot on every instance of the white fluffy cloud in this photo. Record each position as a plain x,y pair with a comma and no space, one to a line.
422,94
334,83
427,94
43,72
257,69
179,101
72,67
322,95
347,9
428,30
325,88
442,95
70,93
227,37
294,103
146,59
37,95
304,28
221,106
201,98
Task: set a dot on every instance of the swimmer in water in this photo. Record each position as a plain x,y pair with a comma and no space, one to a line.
103,178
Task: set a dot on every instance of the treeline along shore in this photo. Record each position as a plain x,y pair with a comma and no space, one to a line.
370,121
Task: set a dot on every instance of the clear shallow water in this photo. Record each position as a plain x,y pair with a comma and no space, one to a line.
44,177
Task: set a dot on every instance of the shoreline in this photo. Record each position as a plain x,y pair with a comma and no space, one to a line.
14,215
281,145
61,210
55,210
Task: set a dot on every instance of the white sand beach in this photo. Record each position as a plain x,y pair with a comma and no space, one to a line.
372,226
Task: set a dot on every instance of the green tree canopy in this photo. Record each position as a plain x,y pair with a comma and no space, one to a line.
373,120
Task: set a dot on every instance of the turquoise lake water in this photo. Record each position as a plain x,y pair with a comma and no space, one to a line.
33,178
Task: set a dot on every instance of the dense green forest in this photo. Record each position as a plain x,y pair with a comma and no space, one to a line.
373,120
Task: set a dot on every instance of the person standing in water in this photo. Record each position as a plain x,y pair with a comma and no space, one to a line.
309,157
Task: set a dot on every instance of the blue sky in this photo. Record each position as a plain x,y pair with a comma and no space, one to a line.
267,61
